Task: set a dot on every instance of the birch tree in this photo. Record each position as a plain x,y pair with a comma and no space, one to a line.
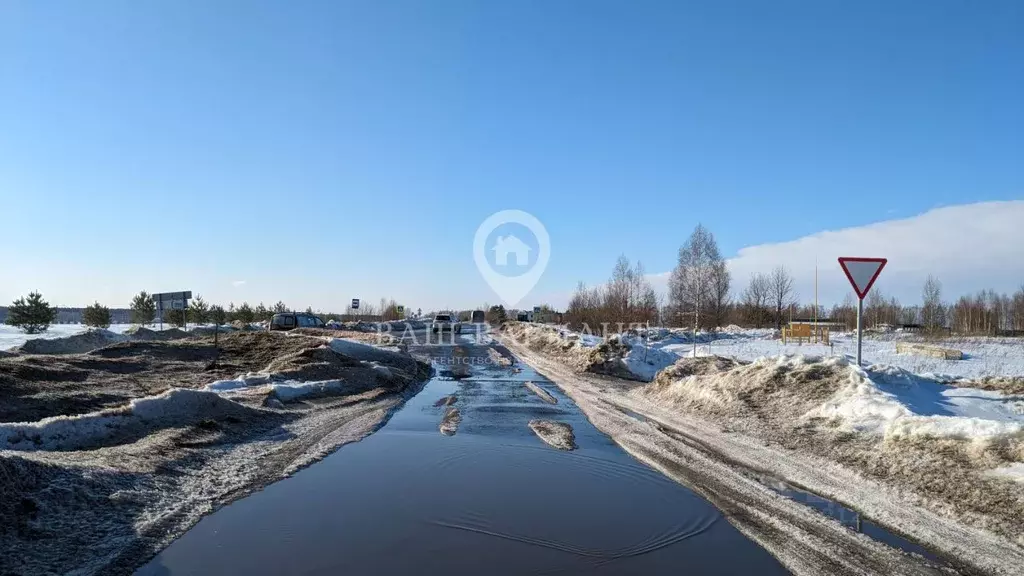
780,289
690,286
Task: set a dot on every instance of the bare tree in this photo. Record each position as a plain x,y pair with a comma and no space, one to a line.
627,298
690,286
720,282
933,314
754,300
780,291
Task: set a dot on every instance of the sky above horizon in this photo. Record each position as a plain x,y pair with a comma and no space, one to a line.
323,151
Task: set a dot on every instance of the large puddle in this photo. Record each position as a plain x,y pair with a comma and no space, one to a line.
490,498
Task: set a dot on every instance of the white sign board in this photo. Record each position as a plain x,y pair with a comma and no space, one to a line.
862,272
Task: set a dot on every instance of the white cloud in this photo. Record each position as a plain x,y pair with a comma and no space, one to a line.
238,283
968,247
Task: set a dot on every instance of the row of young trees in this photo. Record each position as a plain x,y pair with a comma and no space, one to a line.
144,312
699,296
33,314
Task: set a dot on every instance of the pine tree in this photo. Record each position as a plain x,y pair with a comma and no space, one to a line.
176,318
280,307
244,313
96,316
218,315
497,315
143,309
262,313
33,315
199,311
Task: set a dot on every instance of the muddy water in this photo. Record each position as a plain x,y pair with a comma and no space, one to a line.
487,498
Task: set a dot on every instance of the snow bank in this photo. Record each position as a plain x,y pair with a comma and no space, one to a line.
75,344
362,351
895,403
175,407
882,401
290,391
243,381
983,357
285,390
1013,472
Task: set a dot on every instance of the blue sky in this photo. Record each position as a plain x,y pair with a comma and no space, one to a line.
317,151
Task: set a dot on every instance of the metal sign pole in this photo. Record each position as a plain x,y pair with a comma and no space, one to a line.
860,326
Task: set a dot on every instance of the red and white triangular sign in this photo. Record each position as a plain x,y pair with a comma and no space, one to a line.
862,272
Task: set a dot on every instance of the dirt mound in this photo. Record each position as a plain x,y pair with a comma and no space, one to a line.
783,387
157,351
208,331
450,422
498,359
544,394
77,344
239,325
315,364
446,401
1013,385
369,337
174,408
555,434
608,357
703,365
142,333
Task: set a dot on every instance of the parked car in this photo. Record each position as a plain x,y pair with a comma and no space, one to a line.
444,322
293,320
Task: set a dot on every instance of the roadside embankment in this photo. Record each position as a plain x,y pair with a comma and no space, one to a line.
107,456
931,462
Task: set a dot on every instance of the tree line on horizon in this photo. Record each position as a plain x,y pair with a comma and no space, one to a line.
700,298
34,315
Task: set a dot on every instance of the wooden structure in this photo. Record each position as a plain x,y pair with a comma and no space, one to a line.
803,331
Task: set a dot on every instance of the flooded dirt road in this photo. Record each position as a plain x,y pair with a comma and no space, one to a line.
459,482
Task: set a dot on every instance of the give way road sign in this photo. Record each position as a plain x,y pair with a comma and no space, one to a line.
862,272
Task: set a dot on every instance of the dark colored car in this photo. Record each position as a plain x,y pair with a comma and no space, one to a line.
293,320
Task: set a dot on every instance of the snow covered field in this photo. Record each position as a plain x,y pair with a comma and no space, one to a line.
11,337
983,357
